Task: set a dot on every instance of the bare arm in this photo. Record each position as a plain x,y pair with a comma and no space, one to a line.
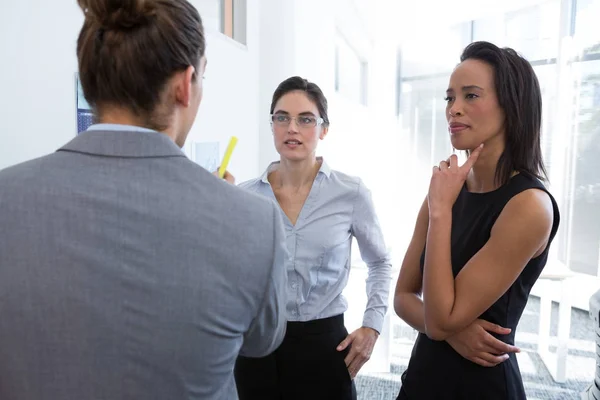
475,343
520,233
407,301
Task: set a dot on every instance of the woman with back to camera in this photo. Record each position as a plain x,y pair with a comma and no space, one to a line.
124,266
482,235
323,210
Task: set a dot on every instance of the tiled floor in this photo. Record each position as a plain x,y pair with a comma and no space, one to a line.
539,384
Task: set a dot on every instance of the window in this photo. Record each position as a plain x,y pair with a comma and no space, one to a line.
587,38
435,54
532,31
225,16
424,118
233,17
426,65
583,229
577,99
564,47
351,72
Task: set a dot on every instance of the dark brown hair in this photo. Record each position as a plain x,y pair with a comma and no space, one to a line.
128,49
311,89
520,98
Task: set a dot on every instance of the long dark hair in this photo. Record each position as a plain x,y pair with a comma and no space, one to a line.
520,97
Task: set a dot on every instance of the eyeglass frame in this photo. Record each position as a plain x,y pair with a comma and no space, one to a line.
318,120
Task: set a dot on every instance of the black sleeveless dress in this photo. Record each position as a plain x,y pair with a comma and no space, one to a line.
435,370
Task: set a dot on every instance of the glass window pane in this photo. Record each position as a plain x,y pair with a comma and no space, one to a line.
423,110
546,75
533,31
585,222
434,54
587,34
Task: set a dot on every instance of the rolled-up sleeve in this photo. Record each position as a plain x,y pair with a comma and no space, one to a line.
373,251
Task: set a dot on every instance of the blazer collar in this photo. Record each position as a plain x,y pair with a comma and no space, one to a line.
112,143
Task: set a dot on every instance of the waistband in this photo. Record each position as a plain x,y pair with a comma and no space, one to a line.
316,326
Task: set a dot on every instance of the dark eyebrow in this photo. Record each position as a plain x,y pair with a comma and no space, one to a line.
465,88
471,87
304,113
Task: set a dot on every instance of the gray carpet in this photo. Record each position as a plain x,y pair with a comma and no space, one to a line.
538,381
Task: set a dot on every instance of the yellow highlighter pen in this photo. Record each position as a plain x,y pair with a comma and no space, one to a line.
232,142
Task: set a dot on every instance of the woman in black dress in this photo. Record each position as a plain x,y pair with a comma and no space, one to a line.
482,235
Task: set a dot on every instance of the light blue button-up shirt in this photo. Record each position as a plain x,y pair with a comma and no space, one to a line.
337,208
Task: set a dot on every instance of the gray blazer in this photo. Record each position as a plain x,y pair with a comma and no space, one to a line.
129,272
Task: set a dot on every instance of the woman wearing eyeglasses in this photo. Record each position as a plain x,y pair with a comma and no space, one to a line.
322,210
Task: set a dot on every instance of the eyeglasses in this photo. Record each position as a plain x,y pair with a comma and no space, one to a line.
303,121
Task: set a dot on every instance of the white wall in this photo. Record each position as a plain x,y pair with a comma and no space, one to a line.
231,92
37,77
276,63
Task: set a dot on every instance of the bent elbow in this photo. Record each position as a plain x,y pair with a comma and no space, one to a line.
400,305
436,331
436,334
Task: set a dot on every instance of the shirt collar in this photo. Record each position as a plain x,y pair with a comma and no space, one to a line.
324,169
118,127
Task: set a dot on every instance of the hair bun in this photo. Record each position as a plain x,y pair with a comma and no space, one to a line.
118,14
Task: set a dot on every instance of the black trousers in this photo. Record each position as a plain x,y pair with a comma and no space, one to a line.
306,366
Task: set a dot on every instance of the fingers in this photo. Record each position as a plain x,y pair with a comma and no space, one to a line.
488,326
344,343
499,347
481,362
453,161
229,178
472,158
489,360
358,355
354,367
355,360
493,358
351,357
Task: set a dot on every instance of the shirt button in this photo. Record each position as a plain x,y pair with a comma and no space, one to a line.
294,286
